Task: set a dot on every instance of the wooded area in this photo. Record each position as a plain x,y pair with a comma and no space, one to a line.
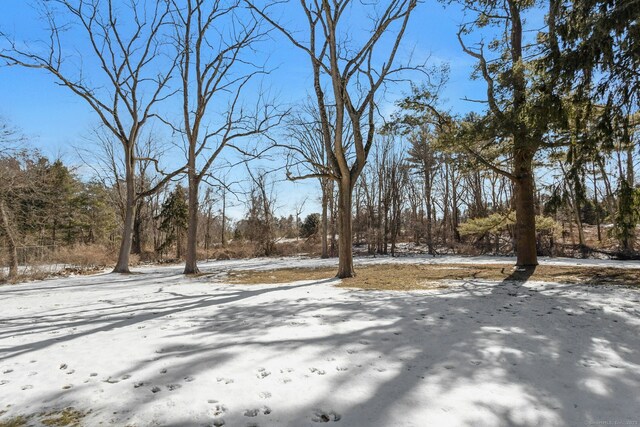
549,167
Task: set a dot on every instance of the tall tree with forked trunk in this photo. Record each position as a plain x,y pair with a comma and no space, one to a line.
348,72
215,42
120,72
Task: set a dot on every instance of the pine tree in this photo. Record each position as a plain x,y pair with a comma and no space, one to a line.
174,219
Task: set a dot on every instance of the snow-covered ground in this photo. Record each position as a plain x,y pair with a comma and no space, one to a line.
157,348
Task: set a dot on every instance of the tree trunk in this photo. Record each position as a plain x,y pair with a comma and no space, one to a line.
223,240
525,227
597,205
11,243
325,222
122,266
345,252
136,239
427,197
191,259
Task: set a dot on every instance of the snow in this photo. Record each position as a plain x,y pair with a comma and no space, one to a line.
156,348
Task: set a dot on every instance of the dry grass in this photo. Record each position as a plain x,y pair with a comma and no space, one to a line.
66,417
18,421
88,256
404,277
245,249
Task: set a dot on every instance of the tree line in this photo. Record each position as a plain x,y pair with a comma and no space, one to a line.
561,95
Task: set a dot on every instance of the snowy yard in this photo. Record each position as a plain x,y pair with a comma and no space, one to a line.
157,348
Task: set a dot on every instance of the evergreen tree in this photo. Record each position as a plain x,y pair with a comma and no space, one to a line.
174,218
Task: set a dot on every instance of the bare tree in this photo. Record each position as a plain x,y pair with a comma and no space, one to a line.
306,154
131,75
355,76
260,216
215,41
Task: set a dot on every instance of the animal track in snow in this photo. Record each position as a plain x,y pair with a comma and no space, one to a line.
264,394
317,371
256,411
341,368
320,416
172,387
251,412
262,373
219,410
224,380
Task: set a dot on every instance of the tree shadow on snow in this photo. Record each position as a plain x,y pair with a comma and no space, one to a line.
514,353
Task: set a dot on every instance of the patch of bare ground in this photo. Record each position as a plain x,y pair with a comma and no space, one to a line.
405,277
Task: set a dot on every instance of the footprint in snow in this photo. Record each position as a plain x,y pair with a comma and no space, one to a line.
264,395
155,389
317,371
224,380
341,368
255,412
352,351
219,422
189,378
320,416
27,387
251,412
7,371
172,387
219,410
262,373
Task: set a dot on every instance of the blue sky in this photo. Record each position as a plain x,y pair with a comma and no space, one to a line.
55,120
